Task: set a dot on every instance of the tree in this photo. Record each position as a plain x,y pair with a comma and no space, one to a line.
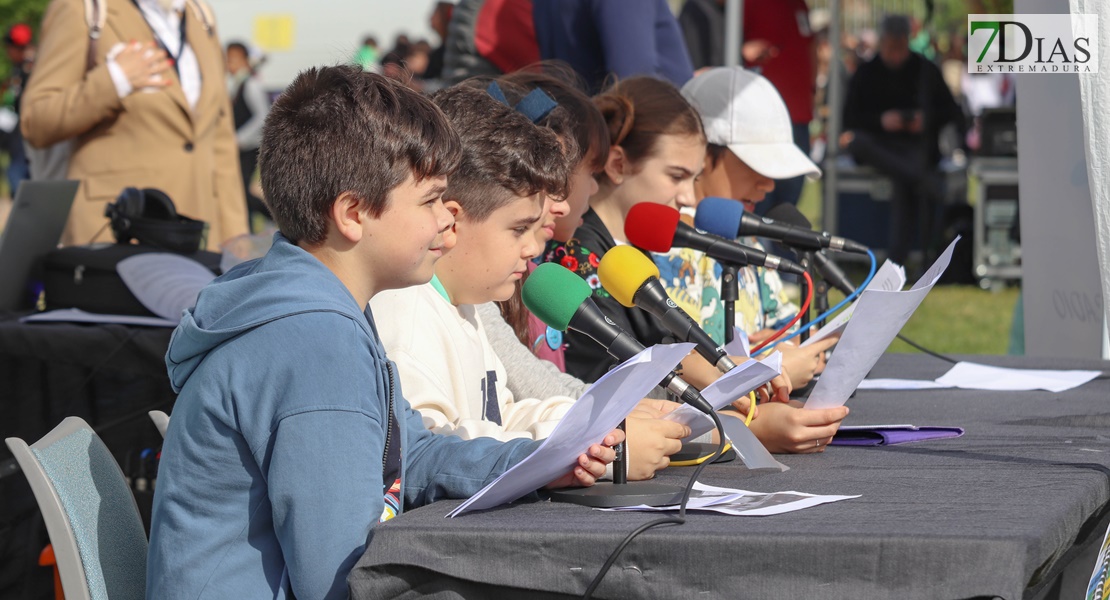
20,11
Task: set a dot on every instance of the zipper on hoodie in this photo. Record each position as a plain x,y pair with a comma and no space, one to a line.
389,419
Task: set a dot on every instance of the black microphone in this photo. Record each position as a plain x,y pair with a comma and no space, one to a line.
727,218
657,228
633,280
562,300
829,270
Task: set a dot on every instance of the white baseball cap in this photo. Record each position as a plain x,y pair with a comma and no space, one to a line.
742,111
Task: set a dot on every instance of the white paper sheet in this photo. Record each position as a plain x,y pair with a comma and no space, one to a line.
879,316
597,412
76,315
890,277
166,284
752,451
974,376
900,384
728,388
741,502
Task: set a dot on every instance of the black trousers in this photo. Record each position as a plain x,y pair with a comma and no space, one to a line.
916,196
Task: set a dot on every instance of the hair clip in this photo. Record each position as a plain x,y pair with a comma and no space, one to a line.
495,91
536,105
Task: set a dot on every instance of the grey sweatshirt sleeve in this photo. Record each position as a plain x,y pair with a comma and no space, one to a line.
529,376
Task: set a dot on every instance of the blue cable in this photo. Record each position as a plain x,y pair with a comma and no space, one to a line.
825,315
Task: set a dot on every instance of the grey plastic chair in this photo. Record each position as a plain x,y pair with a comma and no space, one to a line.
161,421
90,513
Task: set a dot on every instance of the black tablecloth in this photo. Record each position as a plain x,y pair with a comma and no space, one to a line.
1001,511
109,375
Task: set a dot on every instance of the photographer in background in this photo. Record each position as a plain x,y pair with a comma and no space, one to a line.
896,106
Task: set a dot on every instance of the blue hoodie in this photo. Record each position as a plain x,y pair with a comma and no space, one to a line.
283,447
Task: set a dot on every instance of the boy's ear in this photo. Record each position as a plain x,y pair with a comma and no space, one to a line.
616,165
453,207
349,216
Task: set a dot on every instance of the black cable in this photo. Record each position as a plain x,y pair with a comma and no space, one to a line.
679,520
926,350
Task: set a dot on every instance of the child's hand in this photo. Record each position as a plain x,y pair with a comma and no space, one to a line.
591,464
777,390
651,441
743,405
656,408
802,363
786,428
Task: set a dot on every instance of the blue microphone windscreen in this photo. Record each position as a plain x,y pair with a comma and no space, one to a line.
719,216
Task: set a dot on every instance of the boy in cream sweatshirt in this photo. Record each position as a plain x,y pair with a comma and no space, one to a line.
512,170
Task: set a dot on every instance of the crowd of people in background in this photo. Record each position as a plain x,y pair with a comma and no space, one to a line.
604,41
784,41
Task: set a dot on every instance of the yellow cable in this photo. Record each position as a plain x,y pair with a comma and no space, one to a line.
751,409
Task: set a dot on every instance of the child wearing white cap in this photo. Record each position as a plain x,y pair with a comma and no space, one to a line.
750,144
657,153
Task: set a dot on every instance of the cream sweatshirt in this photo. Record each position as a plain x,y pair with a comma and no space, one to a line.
451,374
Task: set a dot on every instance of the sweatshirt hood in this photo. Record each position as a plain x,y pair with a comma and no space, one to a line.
286,281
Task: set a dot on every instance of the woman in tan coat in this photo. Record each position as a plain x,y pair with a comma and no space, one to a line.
143,110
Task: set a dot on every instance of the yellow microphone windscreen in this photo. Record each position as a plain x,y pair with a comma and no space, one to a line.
623,270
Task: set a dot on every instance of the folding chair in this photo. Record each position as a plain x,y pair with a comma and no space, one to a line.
90,513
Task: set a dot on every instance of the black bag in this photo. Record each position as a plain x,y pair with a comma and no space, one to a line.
85,277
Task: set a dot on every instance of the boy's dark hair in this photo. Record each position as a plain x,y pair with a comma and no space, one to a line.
238,47
715,153
340,129
505,155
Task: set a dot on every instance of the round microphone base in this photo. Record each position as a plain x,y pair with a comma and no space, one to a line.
611,495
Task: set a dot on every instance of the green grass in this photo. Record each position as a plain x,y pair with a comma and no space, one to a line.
952,319
957,319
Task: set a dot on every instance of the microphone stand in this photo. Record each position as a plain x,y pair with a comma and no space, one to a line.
621,492
620,463
821,299
730,293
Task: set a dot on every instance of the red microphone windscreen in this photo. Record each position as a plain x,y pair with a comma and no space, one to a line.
651,226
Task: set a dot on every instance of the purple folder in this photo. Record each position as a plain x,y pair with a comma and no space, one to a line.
885,435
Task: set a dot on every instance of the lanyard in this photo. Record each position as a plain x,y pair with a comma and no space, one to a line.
181,29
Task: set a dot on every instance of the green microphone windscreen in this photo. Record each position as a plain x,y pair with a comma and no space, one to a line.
553,293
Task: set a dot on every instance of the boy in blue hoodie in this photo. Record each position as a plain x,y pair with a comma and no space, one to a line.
291,436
